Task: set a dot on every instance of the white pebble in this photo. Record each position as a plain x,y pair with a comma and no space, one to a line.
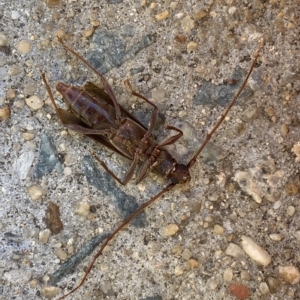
15,14
276,237
34,102
67,171
23,164
234,251
256,252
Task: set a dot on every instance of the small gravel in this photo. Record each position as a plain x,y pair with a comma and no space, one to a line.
170,230
35,192
34,102
256,252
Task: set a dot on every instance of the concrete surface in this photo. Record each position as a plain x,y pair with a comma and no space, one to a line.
248,184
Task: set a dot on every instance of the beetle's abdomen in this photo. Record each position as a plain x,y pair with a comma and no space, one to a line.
95,113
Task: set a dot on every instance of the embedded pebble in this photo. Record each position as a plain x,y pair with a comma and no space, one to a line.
162,16
61,254
274,284
296,150
53,220
28,136
234,251
290,210
3,40
52,3
10,94
34,102
284,129
180,38
178,271
291,188
191,46
228,274
51,291
264,288
240,291
187,24
212,284
33,283
245,275
255,252
30,87
14,70
15,15
170,230
250,115
67,171
4,113
186,254
35,192
177,249
290,274
30,231
24,47
44,236
297,236
22,166
219,230
19,103
173,5
248,185
82,209
152,248
192,264
276,237
199,15
18,276
88,32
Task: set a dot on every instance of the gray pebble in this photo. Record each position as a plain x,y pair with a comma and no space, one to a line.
18,276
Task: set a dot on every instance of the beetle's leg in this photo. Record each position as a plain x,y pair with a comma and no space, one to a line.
154,112
172,139
106,85
128,174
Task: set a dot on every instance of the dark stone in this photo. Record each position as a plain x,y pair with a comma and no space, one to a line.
210,94
108,48
68,266
125,204
48,158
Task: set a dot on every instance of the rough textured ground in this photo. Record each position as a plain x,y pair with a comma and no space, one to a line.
247,184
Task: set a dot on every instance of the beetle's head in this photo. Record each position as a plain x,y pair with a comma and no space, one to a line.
179,174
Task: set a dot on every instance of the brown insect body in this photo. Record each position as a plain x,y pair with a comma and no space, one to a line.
96,113
125,134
